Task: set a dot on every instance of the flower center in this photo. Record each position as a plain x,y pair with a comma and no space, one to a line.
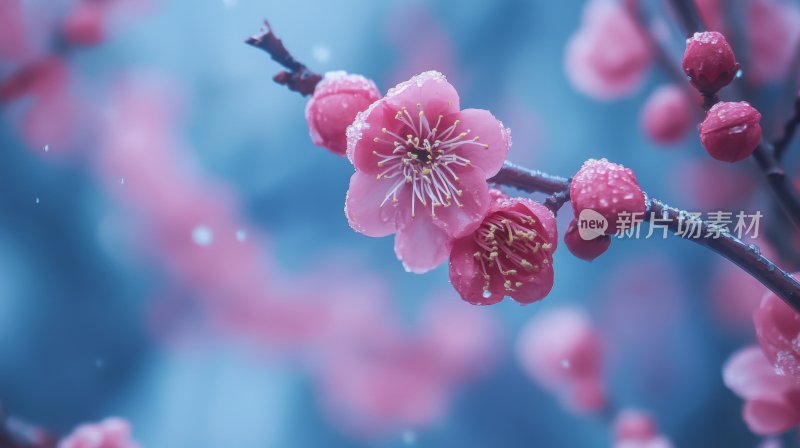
510,247
423,160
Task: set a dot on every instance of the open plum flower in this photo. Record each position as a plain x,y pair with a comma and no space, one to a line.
510,253
421,168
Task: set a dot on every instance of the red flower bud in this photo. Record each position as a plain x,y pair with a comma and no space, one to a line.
337,99
582,248
709,61
731,131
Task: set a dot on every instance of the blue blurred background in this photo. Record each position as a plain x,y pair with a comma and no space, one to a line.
75,340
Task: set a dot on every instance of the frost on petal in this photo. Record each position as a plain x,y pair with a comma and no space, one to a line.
429,91
421,246
361,134
749,375
370,207
491,133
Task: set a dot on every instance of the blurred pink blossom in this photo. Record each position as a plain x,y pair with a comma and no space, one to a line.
773,31
772,402
709,185
13,35
561,351
711,14
607,57
110,433
668,114
376,377
421,42
636,429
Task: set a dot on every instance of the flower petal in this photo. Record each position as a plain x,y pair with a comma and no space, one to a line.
421,246
460,221
481,123
769,417
363,206
368,126
536,289
428,90
750,375
467,277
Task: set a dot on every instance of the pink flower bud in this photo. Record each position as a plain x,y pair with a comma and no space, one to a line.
608,189
337,99
731,131
667,115
582,248
709,61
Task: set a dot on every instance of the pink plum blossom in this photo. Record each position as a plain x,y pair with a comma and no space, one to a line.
778,331
636,429
511,253
421,168
110,433
772,401
561,351
773,32
607,58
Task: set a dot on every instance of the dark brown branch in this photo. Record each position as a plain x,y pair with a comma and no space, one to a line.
298,77
789,130
764,155
747,257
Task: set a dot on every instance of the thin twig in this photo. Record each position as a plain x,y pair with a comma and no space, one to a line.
789,130
298,77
